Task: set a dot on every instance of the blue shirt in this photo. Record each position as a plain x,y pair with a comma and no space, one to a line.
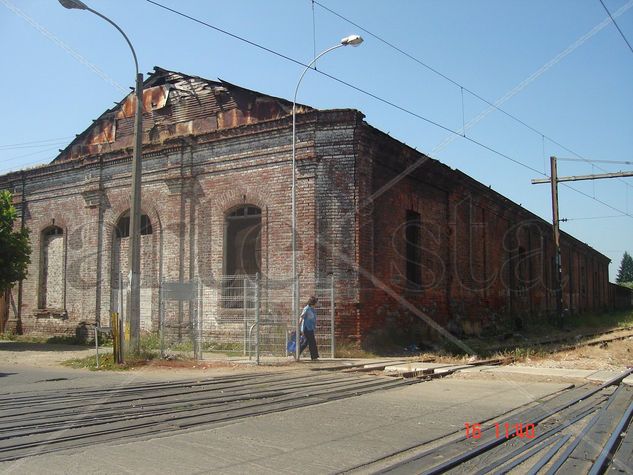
309,319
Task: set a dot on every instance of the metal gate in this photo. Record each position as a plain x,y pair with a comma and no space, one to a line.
251,316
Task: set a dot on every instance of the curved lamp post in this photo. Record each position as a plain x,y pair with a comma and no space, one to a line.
134,317
353,40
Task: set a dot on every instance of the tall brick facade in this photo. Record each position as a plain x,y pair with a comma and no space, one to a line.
212,149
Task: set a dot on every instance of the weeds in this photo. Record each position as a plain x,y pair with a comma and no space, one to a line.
106,362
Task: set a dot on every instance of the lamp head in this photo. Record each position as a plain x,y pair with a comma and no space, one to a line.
353,40
72,4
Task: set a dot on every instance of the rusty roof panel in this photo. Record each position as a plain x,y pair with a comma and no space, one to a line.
153,98
175,104
102,132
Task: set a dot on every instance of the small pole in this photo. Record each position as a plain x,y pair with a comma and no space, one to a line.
120,319
199,282
245,312
295,286
332,315
161,320
97,345
257,317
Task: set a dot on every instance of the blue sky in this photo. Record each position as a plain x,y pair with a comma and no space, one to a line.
574,71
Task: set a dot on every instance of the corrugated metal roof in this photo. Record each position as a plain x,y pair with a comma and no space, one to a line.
177,104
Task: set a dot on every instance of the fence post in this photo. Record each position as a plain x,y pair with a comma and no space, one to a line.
161,320
199,312
332,338
97,346
121,334
193,309
245,314
257,317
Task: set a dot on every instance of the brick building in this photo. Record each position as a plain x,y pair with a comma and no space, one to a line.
400,239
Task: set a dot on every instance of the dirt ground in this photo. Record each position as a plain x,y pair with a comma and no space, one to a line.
46,355
613,355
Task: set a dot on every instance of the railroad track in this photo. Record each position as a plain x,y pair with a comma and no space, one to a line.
584,429
51,421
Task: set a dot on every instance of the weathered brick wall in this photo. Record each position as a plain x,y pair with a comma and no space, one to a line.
336,223
486,262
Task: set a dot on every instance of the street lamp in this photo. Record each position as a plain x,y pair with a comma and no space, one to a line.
353,40
134,315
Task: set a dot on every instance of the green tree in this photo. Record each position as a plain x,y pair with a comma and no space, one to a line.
15,249
625,274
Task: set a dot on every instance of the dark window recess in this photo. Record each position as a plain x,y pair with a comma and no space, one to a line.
413,240
54,231
123,227
243,241
245,211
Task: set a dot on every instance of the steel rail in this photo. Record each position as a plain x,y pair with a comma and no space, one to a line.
580,436
544,436
525,456
197,419
600,463
139,412
158,429
549,455
472,453
268,384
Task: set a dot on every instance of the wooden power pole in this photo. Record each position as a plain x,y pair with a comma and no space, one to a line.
554,180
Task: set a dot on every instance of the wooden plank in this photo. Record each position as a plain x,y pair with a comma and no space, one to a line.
591,445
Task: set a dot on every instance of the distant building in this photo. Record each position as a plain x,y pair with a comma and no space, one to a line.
217,203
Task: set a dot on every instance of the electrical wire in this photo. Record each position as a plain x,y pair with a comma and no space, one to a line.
461,86
345,83
33,143
396,106
617,26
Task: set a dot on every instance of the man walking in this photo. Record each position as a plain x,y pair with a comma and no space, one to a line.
308,325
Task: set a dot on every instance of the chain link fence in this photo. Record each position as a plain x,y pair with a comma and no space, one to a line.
242,315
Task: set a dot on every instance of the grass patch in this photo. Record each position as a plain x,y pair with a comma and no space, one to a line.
67,340
612,320
532,340
232,349
348,349
106,362
53,340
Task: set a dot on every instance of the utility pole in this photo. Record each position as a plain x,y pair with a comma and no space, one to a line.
554,180
558,271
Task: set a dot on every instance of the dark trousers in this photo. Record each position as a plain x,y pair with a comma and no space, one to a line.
314,351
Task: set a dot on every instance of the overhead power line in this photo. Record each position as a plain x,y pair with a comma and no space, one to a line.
617,26
32,143
345,83
392,104
493,105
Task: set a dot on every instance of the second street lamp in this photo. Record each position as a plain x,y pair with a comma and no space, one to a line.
134,304
353,40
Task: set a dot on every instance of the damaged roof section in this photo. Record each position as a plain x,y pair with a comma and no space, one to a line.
176,104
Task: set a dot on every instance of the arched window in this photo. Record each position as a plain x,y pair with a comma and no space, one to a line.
242,241
52,268
123,226
242,254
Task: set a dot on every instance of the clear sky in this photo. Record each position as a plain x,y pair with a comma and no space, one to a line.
561,67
